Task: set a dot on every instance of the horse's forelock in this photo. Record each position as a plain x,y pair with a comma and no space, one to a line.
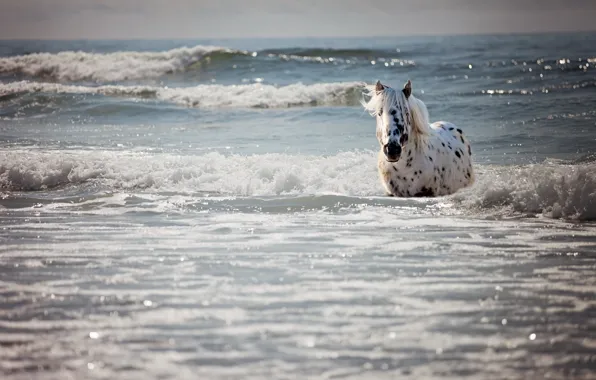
379,100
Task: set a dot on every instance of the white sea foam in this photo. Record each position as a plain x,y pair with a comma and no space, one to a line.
248,95
108,67
557,191
352,173
552,190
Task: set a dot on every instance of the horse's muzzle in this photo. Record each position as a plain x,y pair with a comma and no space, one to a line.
392,151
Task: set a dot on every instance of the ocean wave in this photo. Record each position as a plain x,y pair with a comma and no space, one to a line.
73,66
111,67
327,52
266,174
255,95
551,190
559,87
337,56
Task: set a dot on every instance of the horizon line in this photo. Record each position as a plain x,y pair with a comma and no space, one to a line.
413,35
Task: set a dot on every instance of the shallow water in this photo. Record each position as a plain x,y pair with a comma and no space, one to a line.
232,224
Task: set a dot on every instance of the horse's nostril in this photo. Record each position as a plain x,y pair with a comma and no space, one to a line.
392,150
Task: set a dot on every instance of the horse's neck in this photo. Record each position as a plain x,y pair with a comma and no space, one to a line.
417,142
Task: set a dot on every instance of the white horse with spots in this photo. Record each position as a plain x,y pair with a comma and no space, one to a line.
417,158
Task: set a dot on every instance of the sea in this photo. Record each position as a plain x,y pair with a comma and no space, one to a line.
211,209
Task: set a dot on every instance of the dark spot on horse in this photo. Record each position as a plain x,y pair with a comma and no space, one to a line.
425,192
435,178
457,154
443,144
393,112
409,153
462,139
469,150
408,165
450,148
391,183
459,130
443,169
394,167
468,172
412,179
430,158
451,129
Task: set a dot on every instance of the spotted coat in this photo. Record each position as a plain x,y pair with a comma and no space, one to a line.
442,167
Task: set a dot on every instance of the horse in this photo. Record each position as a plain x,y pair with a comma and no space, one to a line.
417,159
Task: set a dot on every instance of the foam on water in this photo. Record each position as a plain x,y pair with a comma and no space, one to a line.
248,95
352,173
552,190
109,67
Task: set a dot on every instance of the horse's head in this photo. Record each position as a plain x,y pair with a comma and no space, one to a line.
394,122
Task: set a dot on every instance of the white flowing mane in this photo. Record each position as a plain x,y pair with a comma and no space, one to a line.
389,97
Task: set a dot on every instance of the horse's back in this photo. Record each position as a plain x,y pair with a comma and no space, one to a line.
459,153
450,131
445,126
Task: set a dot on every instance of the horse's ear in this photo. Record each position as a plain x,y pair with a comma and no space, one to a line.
379,87
407,89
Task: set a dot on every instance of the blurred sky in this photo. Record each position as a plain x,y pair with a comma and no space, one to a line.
121,19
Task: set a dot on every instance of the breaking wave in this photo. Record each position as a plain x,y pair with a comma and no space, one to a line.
255,95
267,174
548,189
553,190
72,66
111,67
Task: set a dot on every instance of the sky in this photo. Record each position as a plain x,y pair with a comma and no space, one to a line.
131,19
